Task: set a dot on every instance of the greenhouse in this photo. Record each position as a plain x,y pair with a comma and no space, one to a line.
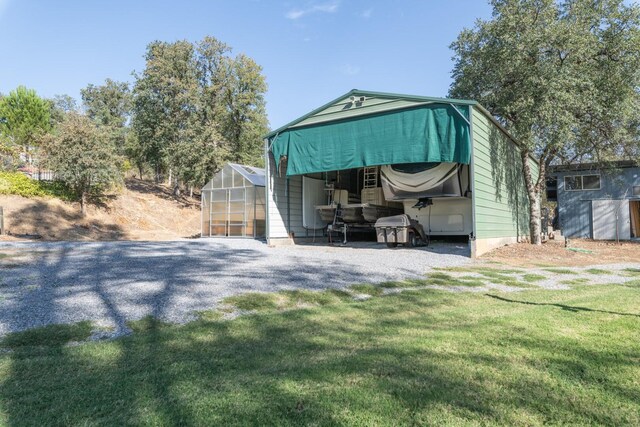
233,203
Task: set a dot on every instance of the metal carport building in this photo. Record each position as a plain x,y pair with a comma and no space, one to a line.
362,129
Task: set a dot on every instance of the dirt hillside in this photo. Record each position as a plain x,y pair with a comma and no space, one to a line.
142,211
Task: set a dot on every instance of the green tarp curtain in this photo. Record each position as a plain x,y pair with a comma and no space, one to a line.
429,133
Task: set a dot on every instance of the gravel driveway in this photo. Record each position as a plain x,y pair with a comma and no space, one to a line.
113,282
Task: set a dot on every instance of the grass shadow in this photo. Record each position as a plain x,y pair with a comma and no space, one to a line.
407,359
571,308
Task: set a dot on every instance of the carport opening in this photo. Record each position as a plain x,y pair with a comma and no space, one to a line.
354,199
366,156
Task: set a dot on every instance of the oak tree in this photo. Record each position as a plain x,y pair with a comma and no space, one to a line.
83,156
561,76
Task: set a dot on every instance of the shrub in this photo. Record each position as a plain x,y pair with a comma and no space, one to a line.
21,185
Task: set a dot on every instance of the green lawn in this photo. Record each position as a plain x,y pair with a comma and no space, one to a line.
421,357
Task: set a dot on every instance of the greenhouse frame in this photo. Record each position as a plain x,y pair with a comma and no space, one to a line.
233,203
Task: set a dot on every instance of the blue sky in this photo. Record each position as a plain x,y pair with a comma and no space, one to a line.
311,51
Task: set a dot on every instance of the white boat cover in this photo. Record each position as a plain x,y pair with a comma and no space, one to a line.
442,179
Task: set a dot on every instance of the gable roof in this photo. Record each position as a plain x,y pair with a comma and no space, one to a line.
254,175
375,102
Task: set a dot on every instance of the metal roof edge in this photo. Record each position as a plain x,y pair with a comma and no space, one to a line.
245,166
415,97
257,178
593,166
369,93
309,114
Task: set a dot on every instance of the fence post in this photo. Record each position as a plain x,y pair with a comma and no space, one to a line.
1,221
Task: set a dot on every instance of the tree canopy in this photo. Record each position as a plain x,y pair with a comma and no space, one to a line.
60,105
108,104
83,156
195,106
562,76
24,119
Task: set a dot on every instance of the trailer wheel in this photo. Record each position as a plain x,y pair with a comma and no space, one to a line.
412,242
392,244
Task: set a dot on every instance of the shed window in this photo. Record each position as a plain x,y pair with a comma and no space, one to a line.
636,190
572,183
582,182
591,182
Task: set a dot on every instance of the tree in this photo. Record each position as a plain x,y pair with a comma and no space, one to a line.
59,106
244,117
108,104
200,157
165,101
562,77
5,148
83,156
134,152
24,119
196,107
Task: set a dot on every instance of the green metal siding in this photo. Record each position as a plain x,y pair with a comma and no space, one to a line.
501,205
344,109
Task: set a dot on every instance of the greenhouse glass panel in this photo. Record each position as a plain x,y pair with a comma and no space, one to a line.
235,177
216,182
250,196
219,195
227,178
238,180
249,229
250,207
261,216
236,230
236,194
219,212
237,216
206,212
260,204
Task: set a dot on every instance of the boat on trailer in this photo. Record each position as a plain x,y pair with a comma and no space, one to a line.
359,213
390,186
